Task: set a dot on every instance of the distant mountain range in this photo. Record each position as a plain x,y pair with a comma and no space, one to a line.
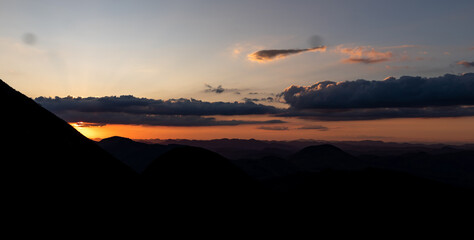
446,164
231,148
48,166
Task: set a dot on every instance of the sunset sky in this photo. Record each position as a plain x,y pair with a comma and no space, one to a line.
247,69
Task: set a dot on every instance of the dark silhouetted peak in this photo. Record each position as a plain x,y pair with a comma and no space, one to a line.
321,149
325,156
116,139
44,150
137,155
196,170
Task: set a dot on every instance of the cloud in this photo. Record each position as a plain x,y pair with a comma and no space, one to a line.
87,124
381,113
274,128
219,89
447,90
274,54
314,127
466,63
133,105
267,99
400,46
143,111
103,118
365,55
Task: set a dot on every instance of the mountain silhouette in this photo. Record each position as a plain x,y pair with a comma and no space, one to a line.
137,155
325,156
191,170
43,154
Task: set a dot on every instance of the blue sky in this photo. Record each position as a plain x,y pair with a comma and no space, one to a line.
167,49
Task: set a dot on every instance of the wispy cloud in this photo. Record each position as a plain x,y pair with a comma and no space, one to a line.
219,89
314,127
87,124
274,54
365,55
400,46
103,118
466,63
274,128
265,99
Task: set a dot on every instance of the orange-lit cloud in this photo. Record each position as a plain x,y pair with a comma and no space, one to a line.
404,129
263,56
87,124
365,55
400,46
466,63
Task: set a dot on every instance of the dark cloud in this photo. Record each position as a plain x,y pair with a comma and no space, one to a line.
466,63
270,55
366,60
219,89
380,113
87,124
134,105
103,118
267,99
274,128
405,92
314,127
143,111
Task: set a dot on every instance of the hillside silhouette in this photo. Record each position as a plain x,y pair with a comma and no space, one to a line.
44,153
192,171
137,155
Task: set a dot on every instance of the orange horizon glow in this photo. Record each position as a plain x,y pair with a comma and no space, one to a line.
435,130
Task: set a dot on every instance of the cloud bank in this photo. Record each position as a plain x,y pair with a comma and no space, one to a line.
406,97
133,105
380,113
447,90
274,54
143,111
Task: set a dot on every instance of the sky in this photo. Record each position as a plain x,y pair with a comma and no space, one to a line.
335,70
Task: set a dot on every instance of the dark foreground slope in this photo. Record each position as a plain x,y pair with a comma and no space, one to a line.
43,155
